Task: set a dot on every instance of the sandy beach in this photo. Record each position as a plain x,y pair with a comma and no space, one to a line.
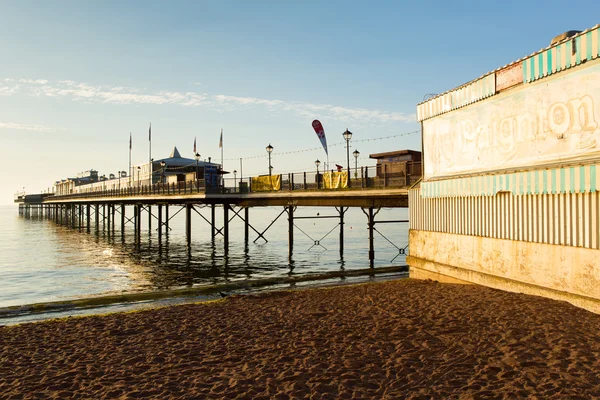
395,339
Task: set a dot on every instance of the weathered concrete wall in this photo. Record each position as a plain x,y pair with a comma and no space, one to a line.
560,272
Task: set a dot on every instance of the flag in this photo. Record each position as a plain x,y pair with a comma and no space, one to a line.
194,146
150,132
129,140
221,140
316,124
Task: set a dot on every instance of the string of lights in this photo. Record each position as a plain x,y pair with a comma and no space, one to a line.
329,145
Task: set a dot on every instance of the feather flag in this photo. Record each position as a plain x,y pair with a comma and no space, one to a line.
150,132
129,140
195,146
221,140
316,124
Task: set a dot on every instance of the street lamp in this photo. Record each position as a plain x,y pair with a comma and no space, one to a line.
269,150
162,166
197,157
138,169
347,135
356,153
317,163
234,179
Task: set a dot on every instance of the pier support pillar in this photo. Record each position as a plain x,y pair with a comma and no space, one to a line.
371,240
246,224
166,219
188,225
97,217
149,220
87,217
108,219
342,211
112,208
135,221
160,223
73,212
226,229
103,217
122,219
138,221
290,210
212,222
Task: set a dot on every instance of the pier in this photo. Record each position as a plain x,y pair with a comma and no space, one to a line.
110,209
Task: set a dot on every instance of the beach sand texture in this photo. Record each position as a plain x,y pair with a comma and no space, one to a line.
395,339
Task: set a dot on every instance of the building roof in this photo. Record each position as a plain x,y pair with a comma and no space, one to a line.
560,55
394,153
175,160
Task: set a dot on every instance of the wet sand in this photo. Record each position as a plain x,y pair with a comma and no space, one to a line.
396,339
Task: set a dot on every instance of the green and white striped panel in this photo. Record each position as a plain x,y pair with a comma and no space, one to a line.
583,47
578,179
472,92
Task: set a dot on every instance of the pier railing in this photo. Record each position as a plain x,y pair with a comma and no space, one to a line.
361,178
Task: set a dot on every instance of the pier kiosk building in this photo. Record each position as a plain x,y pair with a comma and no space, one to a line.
509,197
174,169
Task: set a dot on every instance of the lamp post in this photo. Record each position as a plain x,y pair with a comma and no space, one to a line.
347,135
119,172
317,163
162,171
269,150
197,157
235,179
138,178
356,153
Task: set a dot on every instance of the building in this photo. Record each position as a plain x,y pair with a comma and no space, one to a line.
172,169
175,169
511,172
398,168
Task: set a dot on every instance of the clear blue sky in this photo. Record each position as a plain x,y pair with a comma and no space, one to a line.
77,76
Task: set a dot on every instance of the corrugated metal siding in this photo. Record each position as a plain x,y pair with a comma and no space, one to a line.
579,179
463,96
583,47
569,219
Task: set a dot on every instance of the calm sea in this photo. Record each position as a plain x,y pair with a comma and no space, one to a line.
41,261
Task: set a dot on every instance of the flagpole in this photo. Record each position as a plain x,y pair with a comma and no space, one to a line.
222,148
129,159
150,152
222,166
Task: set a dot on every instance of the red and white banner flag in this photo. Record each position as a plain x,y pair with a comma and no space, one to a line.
316,124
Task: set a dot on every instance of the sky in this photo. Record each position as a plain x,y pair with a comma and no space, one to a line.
77,77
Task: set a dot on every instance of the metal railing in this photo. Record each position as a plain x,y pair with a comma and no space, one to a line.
373,177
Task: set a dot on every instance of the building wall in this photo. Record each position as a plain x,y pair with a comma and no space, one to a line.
547,244
510,194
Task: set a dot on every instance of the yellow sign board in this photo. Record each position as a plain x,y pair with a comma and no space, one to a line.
266,183
335,180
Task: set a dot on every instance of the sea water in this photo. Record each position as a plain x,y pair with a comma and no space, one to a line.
41,261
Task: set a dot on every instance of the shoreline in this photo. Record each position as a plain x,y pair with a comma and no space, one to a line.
391,339
132,301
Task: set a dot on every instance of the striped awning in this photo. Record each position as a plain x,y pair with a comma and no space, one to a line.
583,47
470,93
579,179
